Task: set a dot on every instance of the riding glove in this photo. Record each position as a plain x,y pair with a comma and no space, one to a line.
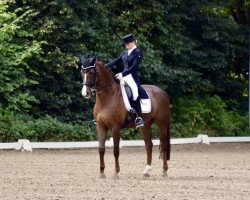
119,76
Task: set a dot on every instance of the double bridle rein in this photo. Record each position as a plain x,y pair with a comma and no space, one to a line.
92,85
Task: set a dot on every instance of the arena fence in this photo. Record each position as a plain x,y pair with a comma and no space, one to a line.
26,145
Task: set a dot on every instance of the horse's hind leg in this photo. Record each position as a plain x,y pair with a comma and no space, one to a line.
146,133
164,148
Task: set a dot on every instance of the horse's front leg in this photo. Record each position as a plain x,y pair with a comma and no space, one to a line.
116,140
102,134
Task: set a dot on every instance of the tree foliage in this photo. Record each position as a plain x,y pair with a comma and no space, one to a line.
17,47
191,48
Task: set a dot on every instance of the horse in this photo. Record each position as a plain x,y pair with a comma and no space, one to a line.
110,113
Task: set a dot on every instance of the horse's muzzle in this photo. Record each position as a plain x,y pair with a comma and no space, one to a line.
86,93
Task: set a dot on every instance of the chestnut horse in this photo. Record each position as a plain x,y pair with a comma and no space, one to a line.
110,113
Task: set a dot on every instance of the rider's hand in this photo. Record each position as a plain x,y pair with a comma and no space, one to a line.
122,81
119,76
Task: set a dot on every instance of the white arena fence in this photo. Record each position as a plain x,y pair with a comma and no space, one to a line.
26,145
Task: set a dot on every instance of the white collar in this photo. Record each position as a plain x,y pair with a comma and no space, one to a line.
129,51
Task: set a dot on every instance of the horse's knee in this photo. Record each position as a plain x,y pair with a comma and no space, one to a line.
150,144
101,151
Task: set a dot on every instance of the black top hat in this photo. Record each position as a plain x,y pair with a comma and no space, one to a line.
128,38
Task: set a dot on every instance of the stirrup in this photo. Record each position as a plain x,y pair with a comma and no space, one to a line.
94,121
139,122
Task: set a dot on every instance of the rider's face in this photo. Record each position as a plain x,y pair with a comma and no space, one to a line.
130,45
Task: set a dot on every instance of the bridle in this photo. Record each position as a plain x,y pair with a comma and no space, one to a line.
93,84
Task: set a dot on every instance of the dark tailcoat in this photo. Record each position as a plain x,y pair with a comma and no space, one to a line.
131,63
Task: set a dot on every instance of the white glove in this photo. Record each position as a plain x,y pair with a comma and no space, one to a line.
119,76
122,81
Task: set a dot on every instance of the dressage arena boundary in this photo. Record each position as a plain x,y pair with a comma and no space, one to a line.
26,145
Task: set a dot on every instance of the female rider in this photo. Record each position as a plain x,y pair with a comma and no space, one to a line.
131,59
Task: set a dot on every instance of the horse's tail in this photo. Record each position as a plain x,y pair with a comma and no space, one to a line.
168,141
168,149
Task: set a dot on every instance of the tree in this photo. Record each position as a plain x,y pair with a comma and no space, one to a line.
191,48
17,47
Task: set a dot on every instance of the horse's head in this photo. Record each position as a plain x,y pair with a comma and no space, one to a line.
88,72
95,76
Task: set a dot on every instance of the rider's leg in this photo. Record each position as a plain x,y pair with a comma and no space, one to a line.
137,106
136,100
132,84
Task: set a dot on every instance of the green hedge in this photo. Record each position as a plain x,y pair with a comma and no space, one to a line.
201,115
207,115
190,117
14,127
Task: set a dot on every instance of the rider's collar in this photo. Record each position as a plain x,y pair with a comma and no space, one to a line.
129,51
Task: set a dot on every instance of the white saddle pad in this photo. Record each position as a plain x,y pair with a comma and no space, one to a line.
145,103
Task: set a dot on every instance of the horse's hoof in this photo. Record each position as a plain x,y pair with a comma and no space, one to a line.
146,175
164,174
102,176
116,176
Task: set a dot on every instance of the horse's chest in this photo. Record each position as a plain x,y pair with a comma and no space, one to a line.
103,115
108,118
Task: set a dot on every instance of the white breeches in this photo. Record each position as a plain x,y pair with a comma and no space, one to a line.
132,84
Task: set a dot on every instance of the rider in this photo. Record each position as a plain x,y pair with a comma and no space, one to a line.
131,59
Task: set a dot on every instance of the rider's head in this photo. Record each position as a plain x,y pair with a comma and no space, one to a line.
129,41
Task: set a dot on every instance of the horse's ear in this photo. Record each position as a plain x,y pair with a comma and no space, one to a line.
92,62
82,59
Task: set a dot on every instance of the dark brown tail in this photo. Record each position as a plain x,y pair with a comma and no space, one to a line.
168,142
168,149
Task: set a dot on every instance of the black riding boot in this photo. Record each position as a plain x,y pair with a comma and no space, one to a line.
137,106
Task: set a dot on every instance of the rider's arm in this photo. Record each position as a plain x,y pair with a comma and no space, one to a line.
115,62
136,63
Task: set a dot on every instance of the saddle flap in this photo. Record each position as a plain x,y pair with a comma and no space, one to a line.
128,96
128,92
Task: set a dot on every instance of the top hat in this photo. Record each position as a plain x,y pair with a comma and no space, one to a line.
128,38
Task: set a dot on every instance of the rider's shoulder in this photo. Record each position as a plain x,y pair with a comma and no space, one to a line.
138,51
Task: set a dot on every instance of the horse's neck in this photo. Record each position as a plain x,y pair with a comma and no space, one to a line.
105,76
107,88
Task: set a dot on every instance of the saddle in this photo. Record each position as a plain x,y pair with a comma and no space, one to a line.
128,98
128,92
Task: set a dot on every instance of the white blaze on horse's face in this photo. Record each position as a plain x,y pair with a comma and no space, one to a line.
89,81
84,88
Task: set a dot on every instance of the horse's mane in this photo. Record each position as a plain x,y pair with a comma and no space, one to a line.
106,67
